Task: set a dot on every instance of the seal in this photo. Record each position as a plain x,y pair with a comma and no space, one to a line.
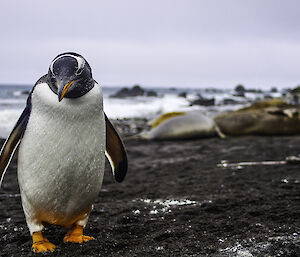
181,125
262,118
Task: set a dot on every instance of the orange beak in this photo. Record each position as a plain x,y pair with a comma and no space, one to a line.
62,91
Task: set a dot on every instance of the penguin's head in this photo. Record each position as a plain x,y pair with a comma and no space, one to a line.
70,76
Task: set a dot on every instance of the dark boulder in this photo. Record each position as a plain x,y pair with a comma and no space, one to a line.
268,96
151,93
203,101
274,90
239,91
229,101
182,94
124,92
239,94
136,90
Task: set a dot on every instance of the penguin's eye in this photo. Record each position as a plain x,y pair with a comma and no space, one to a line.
79,71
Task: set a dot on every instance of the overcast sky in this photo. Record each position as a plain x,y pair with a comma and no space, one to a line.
186,43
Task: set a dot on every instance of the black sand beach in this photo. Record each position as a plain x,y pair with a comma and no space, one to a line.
253,211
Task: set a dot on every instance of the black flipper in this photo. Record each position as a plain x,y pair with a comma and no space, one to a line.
14,139
115,152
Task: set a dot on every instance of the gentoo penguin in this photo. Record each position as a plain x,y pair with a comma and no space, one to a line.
63,137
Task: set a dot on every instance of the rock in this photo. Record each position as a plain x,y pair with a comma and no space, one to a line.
295,99
240,88
268,96
274,90
182,94
239,91
151,93
230,101
213,90
295,90
124,92
294,95
239,94
137,91
203,101
253,90
133,92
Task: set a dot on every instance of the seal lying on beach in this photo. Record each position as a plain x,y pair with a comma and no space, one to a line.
63,134
181,125
261,118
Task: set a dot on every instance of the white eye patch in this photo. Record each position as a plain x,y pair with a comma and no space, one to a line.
80,62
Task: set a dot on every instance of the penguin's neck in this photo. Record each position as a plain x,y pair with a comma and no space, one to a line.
45,101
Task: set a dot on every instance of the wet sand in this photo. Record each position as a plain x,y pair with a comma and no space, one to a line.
175,201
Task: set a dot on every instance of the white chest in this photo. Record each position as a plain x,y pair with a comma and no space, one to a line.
61,156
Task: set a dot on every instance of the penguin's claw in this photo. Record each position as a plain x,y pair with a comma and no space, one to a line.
87,238
41,244
39,247
76,236
77,239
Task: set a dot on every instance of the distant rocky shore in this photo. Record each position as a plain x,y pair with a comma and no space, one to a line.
239,95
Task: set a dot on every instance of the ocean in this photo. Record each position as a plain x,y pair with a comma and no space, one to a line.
13,100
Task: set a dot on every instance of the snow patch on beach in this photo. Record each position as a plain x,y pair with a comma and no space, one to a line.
238,250
165,206
168,203
251,247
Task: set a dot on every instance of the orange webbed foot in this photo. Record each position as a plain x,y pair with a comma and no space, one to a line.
76,236
41,244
